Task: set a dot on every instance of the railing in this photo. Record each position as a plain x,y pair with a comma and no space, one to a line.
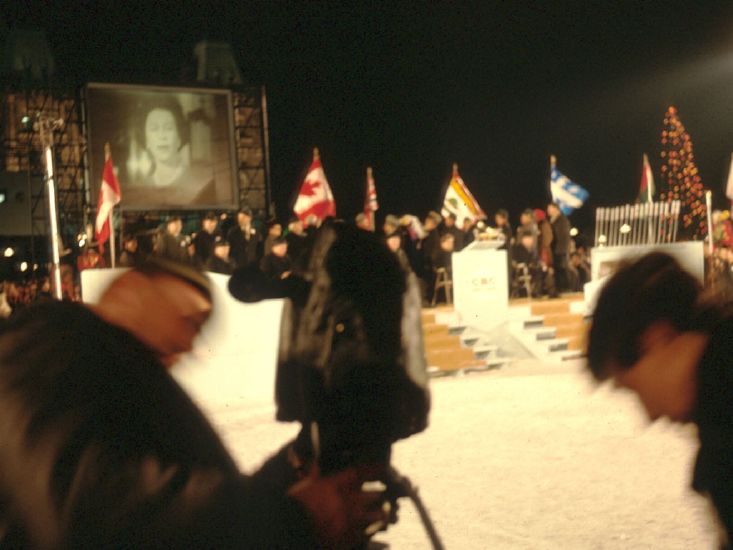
633,224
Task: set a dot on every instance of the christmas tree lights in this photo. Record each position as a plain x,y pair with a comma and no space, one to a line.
680,178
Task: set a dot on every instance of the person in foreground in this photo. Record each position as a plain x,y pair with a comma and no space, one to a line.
102,449
655,333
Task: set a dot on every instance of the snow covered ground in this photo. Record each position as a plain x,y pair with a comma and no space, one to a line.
532,456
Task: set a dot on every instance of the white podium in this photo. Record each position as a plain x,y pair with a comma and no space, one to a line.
480,285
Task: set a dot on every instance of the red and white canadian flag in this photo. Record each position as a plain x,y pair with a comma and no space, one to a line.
315,199
109,196
370,200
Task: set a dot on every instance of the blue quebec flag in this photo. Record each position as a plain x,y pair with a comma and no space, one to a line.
566,194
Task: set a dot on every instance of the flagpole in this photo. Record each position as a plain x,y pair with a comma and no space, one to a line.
367,201
553,161
107,156
111,238
46,128
709,212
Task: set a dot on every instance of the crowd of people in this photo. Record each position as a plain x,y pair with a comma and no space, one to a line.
243,242
541,246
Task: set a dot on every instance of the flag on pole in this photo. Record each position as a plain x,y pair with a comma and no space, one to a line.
109,196
315,198
370,199
567,195
459,200
646,187
729,186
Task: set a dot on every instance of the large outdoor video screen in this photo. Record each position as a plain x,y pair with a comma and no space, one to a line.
171,147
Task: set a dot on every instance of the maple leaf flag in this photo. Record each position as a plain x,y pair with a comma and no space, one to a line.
315,198
109,196
370,200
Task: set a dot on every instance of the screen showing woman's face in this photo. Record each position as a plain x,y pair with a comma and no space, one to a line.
161,136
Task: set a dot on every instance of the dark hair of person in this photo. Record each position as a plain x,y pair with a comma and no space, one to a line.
164,103
653,288
503,213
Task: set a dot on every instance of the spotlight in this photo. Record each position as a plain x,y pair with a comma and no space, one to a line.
625,228
602,239
24,266
574,232
9,252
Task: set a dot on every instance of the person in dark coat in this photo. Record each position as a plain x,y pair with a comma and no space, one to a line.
130,255
277,264
524,251
428,248
203,242
449,226
560,246
219,261
274,231
171,243
655,334
103,449
244,240
431,241
502,225
469,234
298,242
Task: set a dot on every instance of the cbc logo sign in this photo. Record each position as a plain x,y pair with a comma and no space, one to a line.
483,282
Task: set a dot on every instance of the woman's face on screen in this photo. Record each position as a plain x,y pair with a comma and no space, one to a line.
161,136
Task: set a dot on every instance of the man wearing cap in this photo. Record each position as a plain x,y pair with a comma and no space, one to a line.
203,242
244,239
102,448
276,264
219,261
170,243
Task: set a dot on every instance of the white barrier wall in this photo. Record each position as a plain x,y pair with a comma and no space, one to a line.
689,254
604,260
233,360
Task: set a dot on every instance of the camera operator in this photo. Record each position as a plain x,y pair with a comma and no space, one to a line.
101,447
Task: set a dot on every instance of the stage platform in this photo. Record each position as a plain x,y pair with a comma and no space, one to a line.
551,330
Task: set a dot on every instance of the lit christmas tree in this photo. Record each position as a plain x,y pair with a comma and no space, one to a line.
680,178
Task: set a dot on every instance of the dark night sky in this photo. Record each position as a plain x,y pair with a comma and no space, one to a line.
412,87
